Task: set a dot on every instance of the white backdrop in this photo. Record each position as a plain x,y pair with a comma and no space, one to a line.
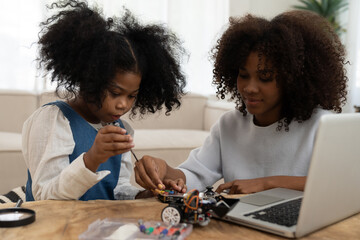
197,22
353,50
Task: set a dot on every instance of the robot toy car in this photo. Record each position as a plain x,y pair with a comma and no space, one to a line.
193,207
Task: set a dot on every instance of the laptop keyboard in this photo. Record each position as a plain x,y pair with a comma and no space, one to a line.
285,214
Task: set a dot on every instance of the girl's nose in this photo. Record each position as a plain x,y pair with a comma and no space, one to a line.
251,87
122,103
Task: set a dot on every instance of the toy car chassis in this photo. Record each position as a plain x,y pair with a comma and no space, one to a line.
193,207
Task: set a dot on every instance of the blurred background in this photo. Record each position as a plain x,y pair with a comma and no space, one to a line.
199,23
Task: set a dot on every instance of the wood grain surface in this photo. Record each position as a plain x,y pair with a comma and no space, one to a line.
68,219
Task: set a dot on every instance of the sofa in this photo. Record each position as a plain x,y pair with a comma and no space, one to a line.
167,137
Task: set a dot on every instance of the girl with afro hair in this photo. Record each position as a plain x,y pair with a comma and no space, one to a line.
283,74
106,67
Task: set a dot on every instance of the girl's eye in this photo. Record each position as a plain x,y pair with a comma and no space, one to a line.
265,79
132,96
266,76
115,94
244,76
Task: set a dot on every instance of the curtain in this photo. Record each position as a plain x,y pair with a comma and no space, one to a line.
197,22
353,53
18,31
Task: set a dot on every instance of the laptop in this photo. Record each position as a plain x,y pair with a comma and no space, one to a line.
331,193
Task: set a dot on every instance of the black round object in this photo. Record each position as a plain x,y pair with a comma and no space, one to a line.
14,217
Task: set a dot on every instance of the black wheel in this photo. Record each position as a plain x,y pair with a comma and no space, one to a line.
171,215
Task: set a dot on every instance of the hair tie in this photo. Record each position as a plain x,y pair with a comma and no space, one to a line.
109,22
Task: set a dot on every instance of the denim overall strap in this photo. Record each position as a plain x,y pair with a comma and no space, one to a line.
84,135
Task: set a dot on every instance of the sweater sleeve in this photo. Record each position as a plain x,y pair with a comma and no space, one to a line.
47,143
203,166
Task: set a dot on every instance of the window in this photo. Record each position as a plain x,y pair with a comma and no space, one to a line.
197,23
353,52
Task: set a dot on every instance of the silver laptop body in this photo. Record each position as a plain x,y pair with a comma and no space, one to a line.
332,190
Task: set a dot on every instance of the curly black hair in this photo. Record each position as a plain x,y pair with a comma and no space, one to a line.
83,51
304,51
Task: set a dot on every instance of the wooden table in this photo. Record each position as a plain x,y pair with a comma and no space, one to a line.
68,219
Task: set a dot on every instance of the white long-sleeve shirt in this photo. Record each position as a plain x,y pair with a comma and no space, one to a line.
47,142
238,149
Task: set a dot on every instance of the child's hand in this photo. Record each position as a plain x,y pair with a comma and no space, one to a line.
149,172
109,141
177,185
264,183
243,186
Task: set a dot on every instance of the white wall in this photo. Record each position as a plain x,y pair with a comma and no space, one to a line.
264,8
352,41
203,21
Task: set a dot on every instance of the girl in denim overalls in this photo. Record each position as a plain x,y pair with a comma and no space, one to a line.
105,67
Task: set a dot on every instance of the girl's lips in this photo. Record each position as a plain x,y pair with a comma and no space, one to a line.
115,117
252,101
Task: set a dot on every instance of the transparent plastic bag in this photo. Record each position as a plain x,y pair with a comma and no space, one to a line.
127,229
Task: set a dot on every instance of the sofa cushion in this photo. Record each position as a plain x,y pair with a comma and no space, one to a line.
16,107
190,115
213,110
14,195
146,139
12,164
10,142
